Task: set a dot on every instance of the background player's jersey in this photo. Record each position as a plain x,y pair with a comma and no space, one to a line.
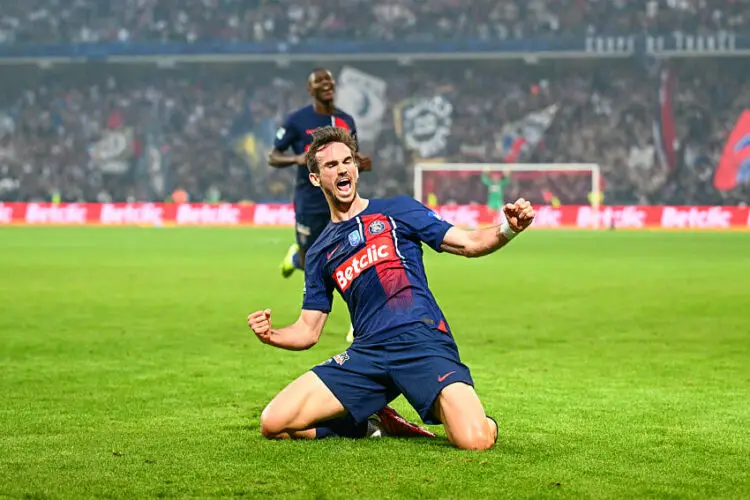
296,133
375,262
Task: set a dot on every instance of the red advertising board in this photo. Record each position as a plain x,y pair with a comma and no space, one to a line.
282,215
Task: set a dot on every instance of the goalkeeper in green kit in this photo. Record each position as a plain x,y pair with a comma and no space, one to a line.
495,188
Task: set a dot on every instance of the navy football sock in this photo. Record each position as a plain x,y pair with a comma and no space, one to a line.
296,260
341,427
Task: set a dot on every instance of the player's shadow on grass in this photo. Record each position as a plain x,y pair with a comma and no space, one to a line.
439,442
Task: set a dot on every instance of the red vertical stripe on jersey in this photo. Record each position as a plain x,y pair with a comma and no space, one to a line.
391,274
340,123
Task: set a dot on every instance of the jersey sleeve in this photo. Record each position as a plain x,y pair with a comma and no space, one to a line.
423,223
286,135
318,295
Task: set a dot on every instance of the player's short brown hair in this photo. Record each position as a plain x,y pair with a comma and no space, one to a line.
321,138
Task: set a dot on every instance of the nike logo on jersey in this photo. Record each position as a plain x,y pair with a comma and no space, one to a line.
329,255
443,377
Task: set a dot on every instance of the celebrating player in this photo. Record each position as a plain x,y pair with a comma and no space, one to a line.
371,252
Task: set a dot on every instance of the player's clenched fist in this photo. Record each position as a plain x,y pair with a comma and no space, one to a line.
260,323
520,214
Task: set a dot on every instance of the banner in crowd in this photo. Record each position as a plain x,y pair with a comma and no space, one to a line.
363,96
113,151
282,215
734,165
424,124
517,140
663,125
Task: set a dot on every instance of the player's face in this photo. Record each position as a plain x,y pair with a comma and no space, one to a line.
322,86
338,173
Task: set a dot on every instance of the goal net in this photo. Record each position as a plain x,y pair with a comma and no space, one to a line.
488,185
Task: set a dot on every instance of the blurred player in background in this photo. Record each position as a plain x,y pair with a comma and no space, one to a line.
371,251
310,207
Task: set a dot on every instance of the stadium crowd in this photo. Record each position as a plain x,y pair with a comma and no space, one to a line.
187,127
50,120
292,21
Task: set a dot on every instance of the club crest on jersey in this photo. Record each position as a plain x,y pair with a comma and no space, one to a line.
354,238
341,358
376,227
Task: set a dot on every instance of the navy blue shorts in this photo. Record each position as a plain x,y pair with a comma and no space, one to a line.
308,227
418,364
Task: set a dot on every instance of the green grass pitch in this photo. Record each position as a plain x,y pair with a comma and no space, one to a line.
619,363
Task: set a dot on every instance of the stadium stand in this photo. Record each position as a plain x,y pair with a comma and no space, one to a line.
98,131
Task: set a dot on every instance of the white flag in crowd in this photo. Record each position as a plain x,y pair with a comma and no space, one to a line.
112,152
425,125
362,96
520,138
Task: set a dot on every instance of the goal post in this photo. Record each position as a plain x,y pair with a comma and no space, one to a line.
469,183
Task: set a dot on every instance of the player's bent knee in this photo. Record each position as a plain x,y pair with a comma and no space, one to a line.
463,416
266,424
298,406
478,442
475,436
272,423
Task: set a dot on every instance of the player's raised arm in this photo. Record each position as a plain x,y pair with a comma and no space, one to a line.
300,335
480,242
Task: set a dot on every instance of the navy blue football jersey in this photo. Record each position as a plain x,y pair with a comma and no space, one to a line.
296,133
375,262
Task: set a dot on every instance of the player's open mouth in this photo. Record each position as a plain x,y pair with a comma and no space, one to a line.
344,186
